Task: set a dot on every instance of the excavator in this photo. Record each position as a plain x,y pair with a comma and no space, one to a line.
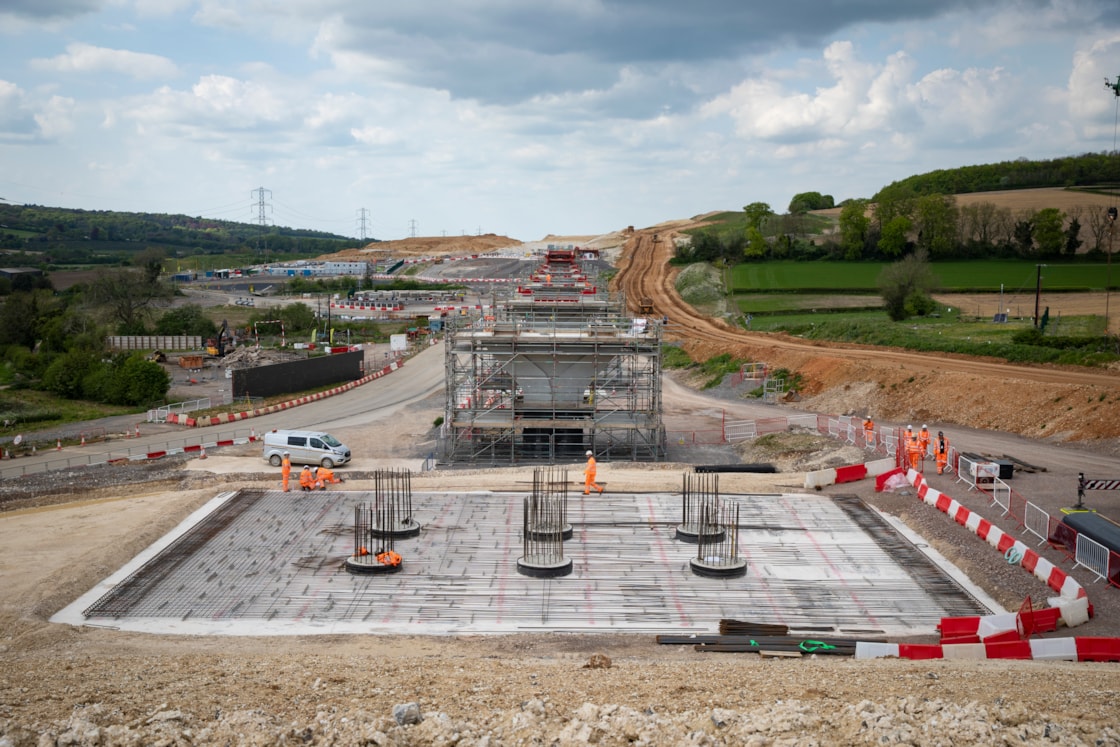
217,348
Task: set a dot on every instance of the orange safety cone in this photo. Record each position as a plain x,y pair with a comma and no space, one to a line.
58,445
202,451
137,430
83,439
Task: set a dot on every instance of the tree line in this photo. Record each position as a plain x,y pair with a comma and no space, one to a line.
50,236
922,213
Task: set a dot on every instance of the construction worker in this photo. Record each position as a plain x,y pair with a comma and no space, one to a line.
589,475
907,435
869,432
914,452
327,477
941,452
923,439
388,557
306,479
285,470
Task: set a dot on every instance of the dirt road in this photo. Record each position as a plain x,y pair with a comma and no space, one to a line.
1058,403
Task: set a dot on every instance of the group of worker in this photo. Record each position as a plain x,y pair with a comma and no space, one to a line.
309,479
916,445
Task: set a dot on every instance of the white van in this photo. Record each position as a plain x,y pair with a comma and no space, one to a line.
305,447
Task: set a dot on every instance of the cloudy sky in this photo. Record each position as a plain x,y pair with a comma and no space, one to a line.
530,117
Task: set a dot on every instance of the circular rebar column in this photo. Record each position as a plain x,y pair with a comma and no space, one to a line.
542,551
365,559
699,502
548,506
719,558
392,510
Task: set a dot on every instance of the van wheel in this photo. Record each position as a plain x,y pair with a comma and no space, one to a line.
274,460
328,463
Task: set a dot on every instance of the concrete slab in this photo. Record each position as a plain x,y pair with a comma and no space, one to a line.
272,563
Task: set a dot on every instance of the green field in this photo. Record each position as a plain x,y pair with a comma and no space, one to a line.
977,276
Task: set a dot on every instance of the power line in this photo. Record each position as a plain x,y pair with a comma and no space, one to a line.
262,218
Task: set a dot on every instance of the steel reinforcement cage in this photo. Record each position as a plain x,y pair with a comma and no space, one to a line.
544,381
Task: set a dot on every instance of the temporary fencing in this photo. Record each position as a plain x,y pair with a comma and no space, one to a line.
696,438
743,430
1037,522
1084,551
1015,551
1092,556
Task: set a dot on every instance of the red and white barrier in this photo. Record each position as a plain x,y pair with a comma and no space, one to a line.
1084,648
820,478
224,418
1013,550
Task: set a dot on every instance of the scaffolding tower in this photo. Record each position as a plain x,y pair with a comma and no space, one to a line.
553,373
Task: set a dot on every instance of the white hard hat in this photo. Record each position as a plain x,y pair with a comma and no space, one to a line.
924,426
287,453
909,427
589,452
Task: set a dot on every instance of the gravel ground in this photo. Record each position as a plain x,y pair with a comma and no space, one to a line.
85,686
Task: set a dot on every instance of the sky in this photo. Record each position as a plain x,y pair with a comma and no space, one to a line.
527,118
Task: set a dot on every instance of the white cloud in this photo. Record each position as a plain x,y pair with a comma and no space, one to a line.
869,103
88,59
1089,102
372,135
25,119
964,105
56,117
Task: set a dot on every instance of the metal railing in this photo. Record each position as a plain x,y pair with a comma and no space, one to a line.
159,414
1037,522
1092,556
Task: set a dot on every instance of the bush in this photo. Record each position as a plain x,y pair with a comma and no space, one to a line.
674,357
65,375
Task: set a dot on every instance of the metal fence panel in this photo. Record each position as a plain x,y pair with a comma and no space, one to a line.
1092,556
1037,522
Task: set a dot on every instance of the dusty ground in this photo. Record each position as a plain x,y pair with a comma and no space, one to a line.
60,685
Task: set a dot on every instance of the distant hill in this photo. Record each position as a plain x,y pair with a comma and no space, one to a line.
65,236
1100,170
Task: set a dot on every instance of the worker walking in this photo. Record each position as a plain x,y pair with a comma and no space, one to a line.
923,439
285,470
306,479
914,452
869,432
589,475
941,452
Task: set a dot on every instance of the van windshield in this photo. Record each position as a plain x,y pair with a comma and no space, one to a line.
331,441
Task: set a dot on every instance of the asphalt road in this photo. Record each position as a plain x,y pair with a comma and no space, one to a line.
420,377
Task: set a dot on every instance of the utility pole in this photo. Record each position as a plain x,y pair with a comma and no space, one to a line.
1115,88
262,218
1037,293
1108,274
412,228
